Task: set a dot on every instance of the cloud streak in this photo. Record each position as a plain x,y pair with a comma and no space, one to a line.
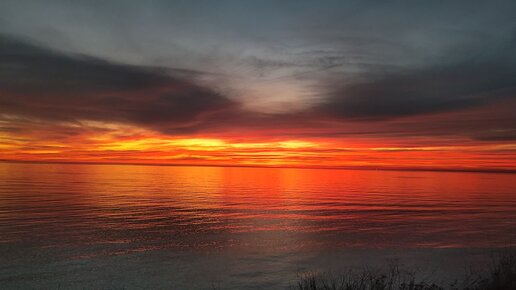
42,83
463,83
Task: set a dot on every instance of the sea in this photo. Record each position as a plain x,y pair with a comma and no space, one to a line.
81,226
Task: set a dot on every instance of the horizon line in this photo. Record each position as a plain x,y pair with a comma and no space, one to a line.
369,168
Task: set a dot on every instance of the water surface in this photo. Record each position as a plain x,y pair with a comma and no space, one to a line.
65,226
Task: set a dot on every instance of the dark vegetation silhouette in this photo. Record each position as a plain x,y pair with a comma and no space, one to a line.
500,274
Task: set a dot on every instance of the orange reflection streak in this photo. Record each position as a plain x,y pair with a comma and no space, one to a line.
285,207
111,143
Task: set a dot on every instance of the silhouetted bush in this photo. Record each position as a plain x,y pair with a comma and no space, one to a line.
501,275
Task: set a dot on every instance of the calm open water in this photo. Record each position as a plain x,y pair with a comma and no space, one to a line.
65,226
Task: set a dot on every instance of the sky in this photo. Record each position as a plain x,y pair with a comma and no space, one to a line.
373,84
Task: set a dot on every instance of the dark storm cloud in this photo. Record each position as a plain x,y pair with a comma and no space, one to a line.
47,84
42,84
460,83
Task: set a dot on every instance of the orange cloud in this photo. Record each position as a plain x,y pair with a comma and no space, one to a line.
114,143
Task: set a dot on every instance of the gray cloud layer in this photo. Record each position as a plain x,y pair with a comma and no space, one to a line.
353,63
440,88
42,83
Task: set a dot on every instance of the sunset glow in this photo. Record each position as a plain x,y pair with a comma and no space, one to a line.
125,144
257,144
332,94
